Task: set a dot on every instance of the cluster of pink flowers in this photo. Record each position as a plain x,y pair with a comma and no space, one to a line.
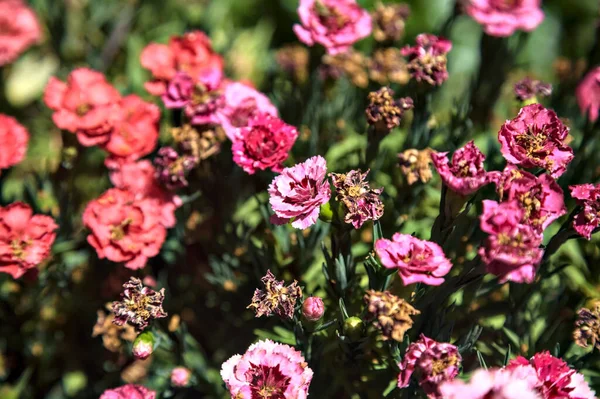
267,370
25,239
432,362
334,24
417,261
129,391
20,29
88,106
503,18
465,173
14,138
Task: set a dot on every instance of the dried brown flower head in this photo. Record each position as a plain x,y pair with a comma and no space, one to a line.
587,327
390,314
415,165
293,59
113,335
362,202
275,298
384,112
388,66
198,144
389,21
351,64
138,305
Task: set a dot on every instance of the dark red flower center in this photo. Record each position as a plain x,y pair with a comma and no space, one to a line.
260,142
267,382
505,5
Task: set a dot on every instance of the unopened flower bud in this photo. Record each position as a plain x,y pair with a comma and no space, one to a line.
313,308
353,327
143,346
180,377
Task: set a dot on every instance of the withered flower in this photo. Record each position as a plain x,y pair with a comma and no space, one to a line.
275,298
390,314
362,202
293,59
112,334
138,305
587,327
529,89
415,165
388,66
351,64
384,112
200,145
389,21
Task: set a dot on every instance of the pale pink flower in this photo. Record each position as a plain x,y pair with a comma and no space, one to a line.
588,94
536,138
432,363
490,384
511,251
417,261
465,173
180,376
267,370
313,308
20,29
297,194
588,196
504,17
129,391
335,24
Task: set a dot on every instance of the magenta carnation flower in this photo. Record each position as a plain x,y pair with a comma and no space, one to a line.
427,59
589,218
298,193
267,370
335,24
486,384
465,173
551,377
264,143
503,18
511,250
129,391
432,362
536,138
588,94
541,198
417,261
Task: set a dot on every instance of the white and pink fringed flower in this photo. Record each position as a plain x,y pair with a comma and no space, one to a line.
267,370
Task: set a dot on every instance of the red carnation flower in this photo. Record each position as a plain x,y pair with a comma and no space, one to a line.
123,228
86,105
14,139
25,238
20,29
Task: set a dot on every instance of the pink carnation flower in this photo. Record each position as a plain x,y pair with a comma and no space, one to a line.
536,138
465,173
503,18
14,138
555,379
490,384
263,144
541,198
86,105
588,219
20,29
267,370
298,193
427,59
180,376
588,94
335,24
25,239
123,228
417,261
240,103
511,250
129,391
432,362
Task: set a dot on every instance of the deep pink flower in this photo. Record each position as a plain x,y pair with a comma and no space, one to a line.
427,59
417,261
20,29
265,143
86,105
465,173
14,138
136,131
334,24
504,17
536,138
191,53
129,391
241,103
267,370
179,91
180,376
555,379
313,308
297,194
511,251
490,384
140,179
25,239
123,228
541,198
588,94
432,363
588,196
